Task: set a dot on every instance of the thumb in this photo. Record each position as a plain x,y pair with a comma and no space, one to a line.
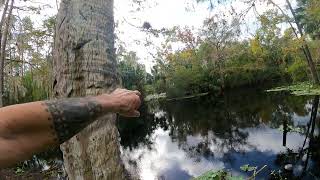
131,114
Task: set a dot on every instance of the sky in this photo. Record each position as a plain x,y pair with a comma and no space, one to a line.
160,14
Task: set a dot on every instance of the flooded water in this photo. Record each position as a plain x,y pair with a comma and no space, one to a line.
184,139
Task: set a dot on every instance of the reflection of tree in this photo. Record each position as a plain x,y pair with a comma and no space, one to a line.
305,154
222,116
136,131
217,121
226,117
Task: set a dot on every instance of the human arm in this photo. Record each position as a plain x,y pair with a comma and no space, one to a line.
27,129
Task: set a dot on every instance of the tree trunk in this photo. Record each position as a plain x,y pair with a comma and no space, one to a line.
84,64
4,37
3,17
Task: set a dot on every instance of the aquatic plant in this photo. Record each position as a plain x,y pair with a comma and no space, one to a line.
301,89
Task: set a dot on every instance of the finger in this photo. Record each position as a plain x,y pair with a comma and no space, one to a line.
131,114
119,91
137,103
137,93
135,114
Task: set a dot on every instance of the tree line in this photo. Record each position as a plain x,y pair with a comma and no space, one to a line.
26,55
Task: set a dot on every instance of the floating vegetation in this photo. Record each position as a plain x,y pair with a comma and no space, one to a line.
248,168
224,175
217,175
290,128
302,89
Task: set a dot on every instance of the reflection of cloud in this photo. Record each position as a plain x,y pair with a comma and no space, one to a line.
265,139
301,120
167,158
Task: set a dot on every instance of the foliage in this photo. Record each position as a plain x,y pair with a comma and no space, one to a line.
224,175
298,71
291,128
19,171
248,168
28,67
217,175
309,16
133,74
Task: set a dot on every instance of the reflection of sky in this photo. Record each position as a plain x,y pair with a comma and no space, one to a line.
302,120
167,160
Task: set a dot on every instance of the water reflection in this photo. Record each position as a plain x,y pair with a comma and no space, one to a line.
180,140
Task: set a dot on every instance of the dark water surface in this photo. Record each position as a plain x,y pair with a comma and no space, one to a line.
184,139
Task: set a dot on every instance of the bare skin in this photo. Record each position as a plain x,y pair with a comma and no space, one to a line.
31,128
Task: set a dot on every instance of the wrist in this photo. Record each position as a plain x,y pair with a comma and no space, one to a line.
108,103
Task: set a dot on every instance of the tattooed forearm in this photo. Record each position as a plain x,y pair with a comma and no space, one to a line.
70,116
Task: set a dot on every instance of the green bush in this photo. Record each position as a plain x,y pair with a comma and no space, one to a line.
149,89
235,77
298,71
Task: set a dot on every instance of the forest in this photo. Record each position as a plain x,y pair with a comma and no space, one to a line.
216,67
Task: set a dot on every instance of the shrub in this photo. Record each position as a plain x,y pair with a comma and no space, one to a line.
298,71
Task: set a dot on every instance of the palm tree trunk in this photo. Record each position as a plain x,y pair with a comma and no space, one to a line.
84,64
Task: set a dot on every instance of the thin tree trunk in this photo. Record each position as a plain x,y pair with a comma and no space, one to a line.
3,17
84,64
3,51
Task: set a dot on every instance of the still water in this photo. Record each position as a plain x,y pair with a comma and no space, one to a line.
183,139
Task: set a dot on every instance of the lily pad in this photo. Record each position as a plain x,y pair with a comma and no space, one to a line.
302,89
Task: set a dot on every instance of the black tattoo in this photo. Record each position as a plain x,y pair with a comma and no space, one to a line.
70,116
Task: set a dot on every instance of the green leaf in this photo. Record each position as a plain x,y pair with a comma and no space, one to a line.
248,168
217,175
19,171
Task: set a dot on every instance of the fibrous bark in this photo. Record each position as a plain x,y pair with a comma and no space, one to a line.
84,64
